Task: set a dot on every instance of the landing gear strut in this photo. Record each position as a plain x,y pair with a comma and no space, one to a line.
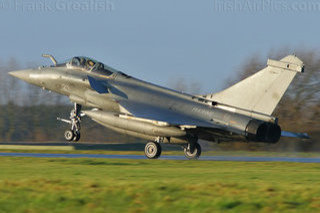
73,134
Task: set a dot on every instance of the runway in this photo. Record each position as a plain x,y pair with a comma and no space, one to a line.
140,157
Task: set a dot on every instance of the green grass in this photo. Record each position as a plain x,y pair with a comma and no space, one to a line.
113,185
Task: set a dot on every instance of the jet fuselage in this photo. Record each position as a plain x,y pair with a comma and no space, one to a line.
126,95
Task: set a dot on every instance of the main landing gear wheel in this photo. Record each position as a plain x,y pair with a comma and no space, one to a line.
195,154
152,150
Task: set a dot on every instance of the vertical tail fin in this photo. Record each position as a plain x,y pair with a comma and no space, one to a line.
262,91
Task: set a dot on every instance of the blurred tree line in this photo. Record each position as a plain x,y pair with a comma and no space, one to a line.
28,113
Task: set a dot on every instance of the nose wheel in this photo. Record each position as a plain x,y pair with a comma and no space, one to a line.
70,135
73,134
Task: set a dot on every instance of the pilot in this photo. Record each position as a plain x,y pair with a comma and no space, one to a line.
89,64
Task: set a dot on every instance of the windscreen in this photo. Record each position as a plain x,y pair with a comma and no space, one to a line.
89,65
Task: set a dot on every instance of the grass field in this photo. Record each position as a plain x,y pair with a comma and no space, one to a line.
112,185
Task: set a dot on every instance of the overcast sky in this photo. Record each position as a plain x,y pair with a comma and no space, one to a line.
201,41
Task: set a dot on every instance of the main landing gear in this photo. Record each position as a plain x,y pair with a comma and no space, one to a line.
73,134
153,150
192,152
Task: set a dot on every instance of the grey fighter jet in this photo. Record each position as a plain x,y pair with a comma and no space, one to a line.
242,112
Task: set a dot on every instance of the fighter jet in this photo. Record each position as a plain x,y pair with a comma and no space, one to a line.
242,112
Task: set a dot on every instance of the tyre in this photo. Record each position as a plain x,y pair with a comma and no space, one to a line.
77,136
69,135
152,150
195,154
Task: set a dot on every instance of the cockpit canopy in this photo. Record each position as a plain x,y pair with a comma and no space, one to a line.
89,65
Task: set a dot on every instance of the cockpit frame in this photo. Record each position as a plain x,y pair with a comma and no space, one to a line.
88,65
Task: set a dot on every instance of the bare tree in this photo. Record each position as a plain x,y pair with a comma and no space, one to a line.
183,85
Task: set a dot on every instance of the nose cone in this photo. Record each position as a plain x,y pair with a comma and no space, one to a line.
22,74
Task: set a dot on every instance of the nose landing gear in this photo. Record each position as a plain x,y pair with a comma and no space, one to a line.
73,134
